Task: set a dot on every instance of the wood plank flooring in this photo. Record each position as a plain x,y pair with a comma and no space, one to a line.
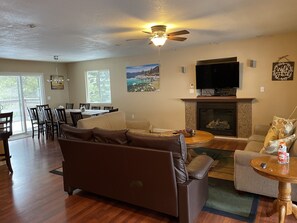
32,194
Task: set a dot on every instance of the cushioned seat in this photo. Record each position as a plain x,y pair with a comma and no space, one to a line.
113,121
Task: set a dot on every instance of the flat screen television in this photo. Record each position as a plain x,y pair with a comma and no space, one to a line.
220,75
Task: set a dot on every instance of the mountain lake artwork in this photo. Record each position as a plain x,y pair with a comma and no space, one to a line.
144,78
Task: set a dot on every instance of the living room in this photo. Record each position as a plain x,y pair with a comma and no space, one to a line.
164,108
166,105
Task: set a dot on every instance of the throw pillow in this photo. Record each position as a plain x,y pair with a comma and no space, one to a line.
272,134
274,145
280,128
284,126
70,132
110,136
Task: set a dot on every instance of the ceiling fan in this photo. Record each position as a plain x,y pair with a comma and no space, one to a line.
159,35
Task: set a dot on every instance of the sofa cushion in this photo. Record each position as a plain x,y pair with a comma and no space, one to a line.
273,146
70,132
254,146
175,143
110,136
111,121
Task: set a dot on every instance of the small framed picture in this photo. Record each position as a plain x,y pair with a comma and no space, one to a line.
282,71
57,82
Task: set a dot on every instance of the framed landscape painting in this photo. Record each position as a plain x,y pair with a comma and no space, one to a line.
57,82
144,78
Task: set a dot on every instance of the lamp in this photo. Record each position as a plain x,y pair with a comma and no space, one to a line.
159,39
58,79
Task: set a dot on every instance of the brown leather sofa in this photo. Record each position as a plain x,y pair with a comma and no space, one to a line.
143,170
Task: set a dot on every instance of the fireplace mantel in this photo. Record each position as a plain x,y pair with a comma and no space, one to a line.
244,112
218,99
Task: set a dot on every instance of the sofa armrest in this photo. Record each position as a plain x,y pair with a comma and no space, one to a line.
261,129
199,166
244,158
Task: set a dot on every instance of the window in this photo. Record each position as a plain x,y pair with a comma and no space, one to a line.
19,91
98,86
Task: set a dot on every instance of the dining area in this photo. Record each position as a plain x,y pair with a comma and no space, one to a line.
47,121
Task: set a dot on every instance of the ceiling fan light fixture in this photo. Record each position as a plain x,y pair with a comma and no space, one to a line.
159,40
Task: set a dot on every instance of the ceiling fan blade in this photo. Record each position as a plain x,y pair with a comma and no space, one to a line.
147,32
181,32
177,38
135,39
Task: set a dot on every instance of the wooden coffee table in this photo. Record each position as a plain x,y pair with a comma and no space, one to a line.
200,139
285,174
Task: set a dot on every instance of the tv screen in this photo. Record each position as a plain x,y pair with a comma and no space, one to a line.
221,75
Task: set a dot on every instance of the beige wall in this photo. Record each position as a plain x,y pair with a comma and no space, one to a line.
165,109
57,97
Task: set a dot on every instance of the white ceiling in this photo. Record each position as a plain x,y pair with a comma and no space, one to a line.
78,30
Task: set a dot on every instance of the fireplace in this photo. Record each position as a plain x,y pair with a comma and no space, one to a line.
217,118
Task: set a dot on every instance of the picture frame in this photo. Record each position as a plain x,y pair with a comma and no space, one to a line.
283,71
144,78
57,82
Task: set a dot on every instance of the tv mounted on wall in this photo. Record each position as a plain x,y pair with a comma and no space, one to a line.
217,75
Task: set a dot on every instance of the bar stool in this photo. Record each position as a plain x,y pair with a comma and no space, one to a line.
5,133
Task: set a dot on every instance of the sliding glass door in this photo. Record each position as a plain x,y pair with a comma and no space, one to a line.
17,92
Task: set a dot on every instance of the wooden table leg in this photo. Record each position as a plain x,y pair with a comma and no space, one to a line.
283,204
281,214
294,210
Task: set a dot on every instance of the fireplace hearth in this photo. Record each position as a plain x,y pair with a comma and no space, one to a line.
217,118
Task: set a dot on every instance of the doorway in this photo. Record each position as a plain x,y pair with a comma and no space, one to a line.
17,92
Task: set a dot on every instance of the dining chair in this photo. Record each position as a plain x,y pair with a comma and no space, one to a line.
50,123
75,116
42,106
95,107
69,105
61,118
40,111
36,122
86,105
5,133
108,107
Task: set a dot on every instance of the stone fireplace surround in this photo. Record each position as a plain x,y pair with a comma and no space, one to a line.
244,112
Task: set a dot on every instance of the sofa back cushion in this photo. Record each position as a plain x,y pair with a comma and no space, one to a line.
111,121
110,136
70,132
175,144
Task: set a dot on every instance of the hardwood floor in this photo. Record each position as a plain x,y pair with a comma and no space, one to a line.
32,194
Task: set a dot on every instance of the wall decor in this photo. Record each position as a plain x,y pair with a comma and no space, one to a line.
144,78
57,82
283,70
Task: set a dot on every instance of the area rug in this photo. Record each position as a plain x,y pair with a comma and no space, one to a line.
58,171
223,166
226,201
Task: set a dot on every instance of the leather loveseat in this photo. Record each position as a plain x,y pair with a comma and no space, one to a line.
143,170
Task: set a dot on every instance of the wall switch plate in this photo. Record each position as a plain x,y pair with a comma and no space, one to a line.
262,89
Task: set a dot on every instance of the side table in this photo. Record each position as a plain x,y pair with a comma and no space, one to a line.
285,174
